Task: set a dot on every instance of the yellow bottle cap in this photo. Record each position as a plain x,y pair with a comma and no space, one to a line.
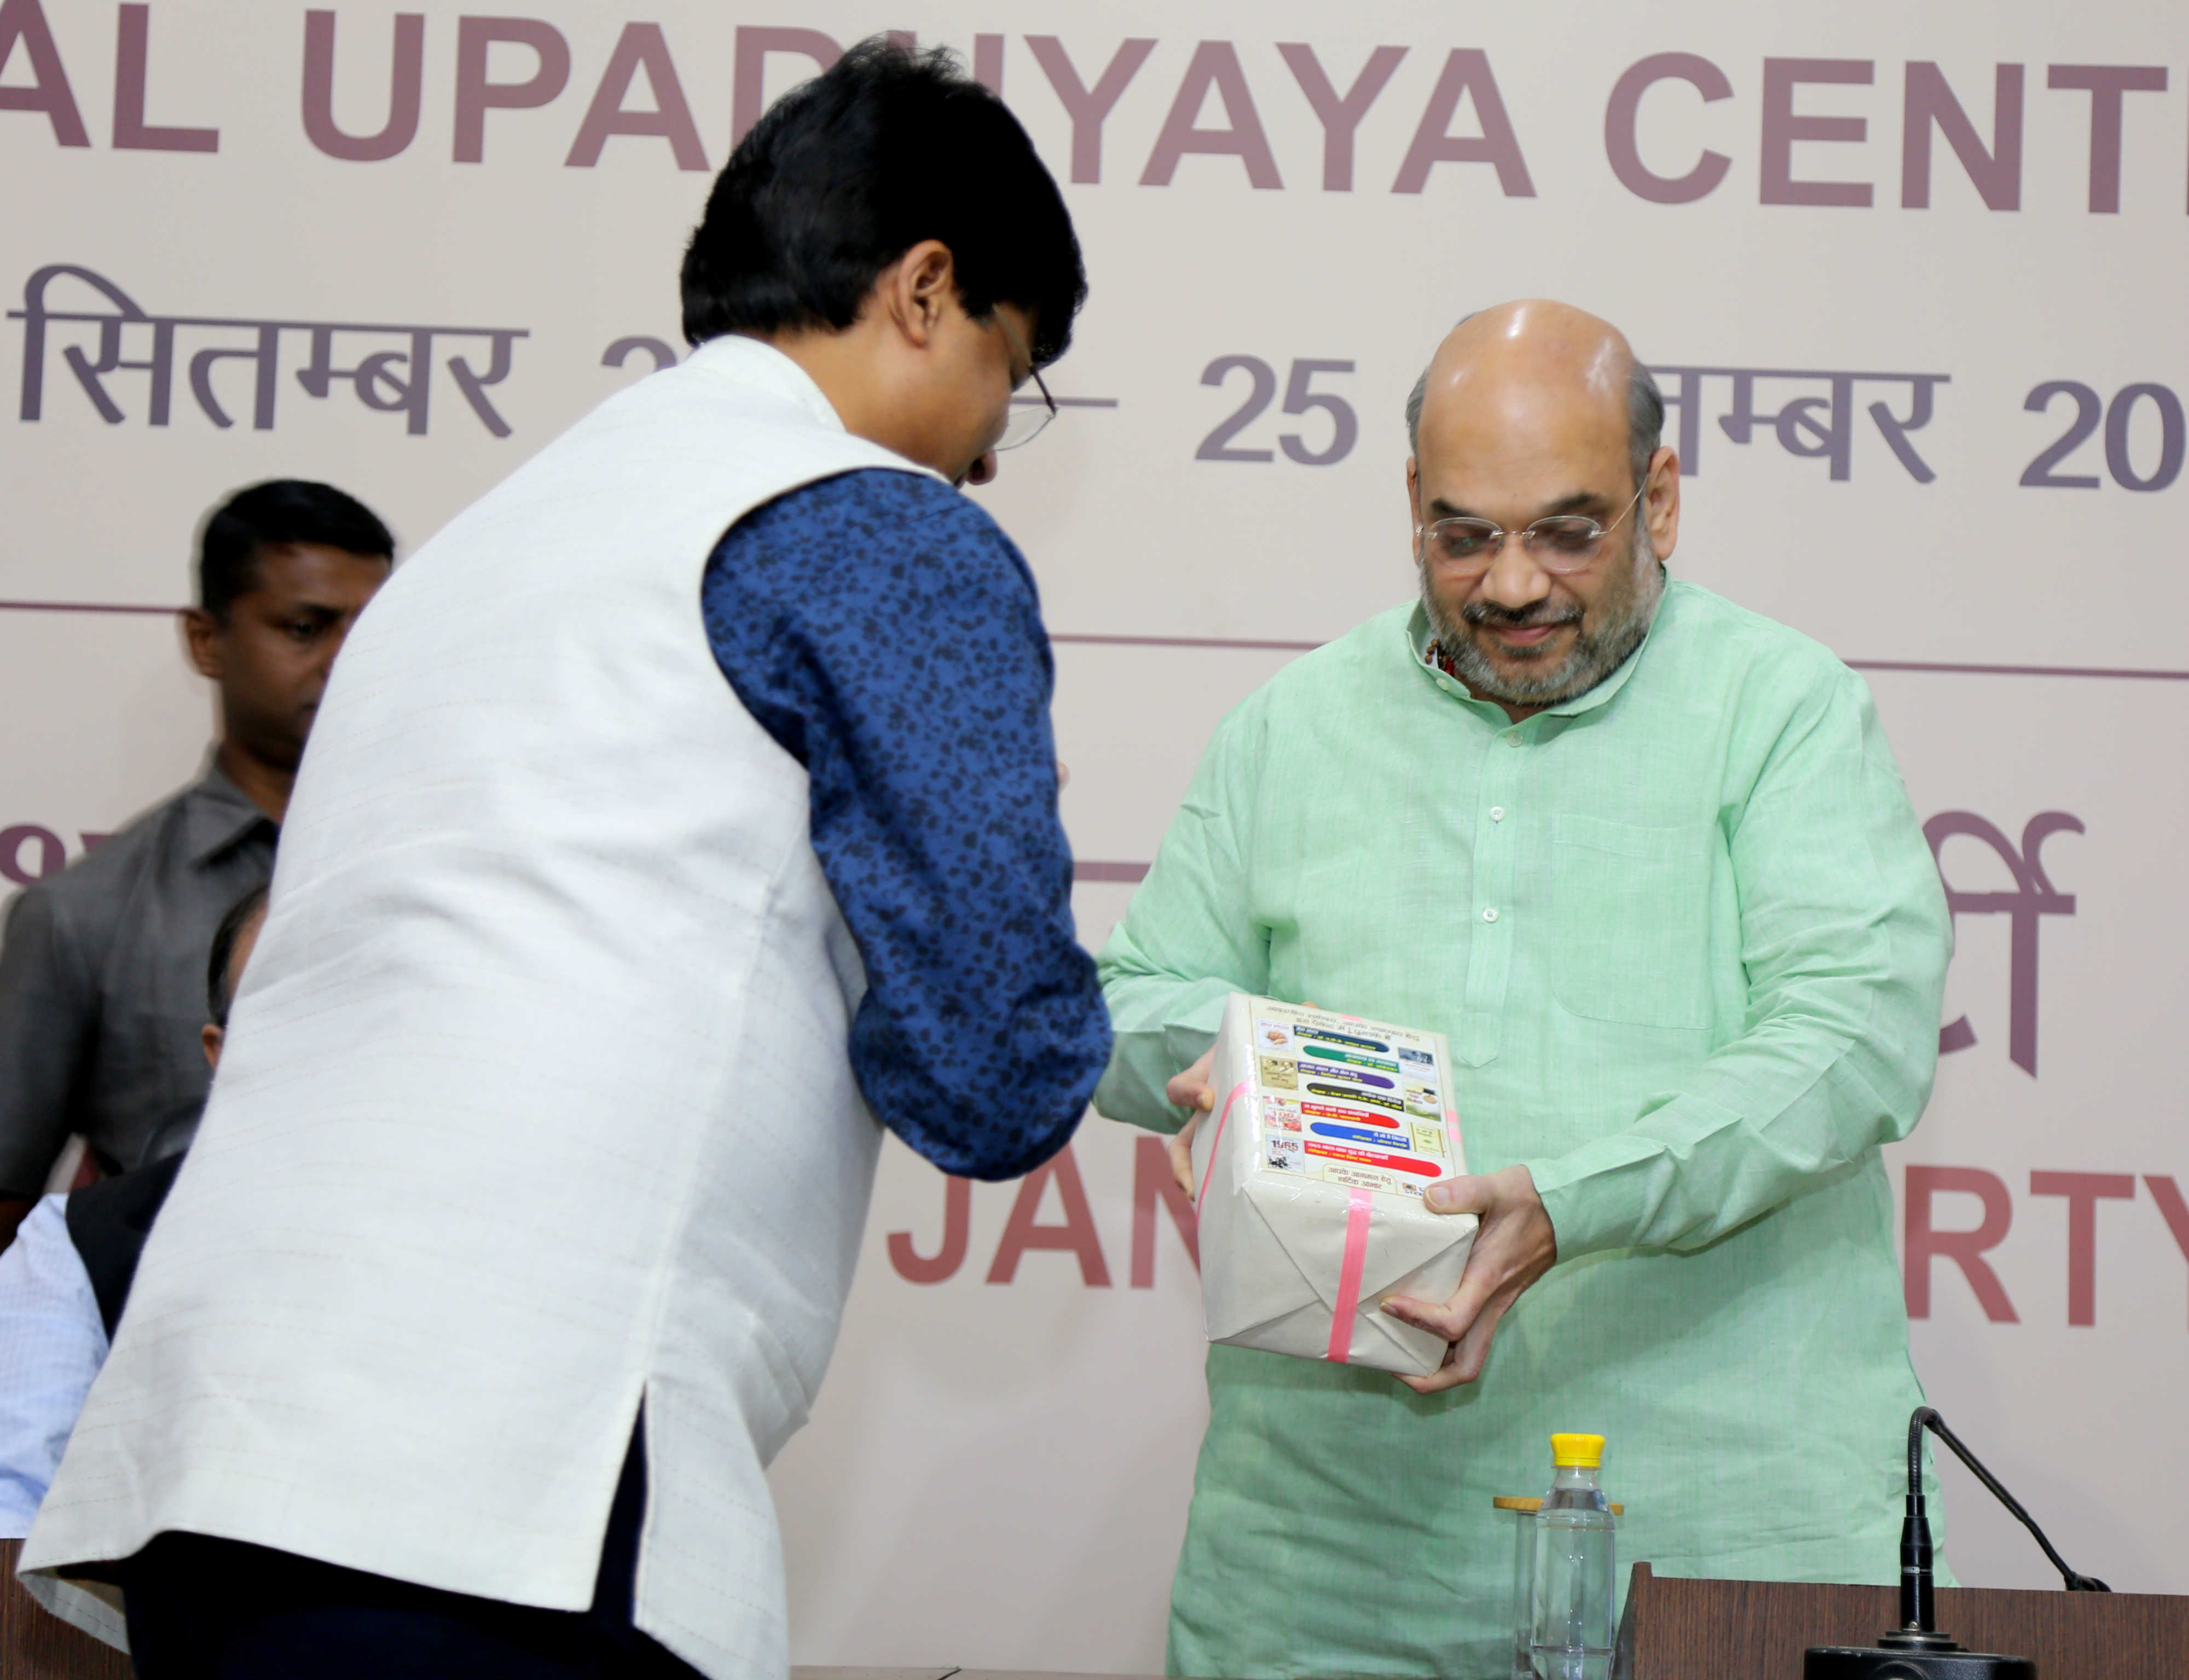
1581,1452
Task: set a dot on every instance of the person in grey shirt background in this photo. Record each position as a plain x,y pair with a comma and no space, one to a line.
102,967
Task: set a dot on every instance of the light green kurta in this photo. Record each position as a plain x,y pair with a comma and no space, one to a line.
1688,943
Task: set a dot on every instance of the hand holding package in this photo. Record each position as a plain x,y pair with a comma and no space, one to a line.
1310,1175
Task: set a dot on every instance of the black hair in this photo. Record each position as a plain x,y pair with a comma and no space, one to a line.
279,511
844,175
220,983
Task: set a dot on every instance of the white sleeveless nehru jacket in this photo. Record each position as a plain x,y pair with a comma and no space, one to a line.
535,1103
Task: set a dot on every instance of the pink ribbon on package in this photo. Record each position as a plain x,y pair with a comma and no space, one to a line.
1238,1091
1358,1206
1451,1134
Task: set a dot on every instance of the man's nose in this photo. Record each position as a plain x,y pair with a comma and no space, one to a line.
983,471
1513,580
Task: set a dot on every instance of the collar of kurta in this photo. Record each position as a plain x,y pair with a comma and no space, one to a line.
759,366
217,816
748,361
1420,656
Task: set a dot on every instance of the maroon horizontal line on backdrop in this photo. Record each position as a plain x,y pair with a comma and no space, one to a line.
1082,870
84,607
1186,642
1858,665
1251,645
2020,670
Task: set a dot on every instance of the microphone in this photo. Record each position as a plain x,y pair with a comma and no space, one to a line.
1917,1649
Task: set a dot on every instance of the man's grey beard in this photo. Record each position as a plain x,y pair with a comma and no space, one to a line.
1627,607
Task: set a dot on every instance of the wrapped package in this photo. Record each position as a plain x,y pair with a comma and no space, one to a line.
1308,1176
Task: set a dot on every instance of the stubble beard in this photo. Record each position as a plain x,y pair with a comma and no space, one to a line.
1624,609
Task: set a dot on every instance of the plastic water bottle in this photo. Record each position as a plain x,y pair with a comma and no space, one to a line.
1575,1572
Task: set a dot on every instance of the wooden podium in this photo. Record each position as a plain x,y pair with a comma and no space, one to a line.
37,1646
1673,1630
1676,1629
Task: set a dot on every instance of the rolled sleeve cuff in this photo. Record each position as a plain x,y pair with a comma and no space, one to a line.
1599,1197
1143,1061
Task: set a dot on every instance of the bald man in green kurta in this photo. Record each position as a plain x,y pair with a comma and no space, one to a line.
1645,858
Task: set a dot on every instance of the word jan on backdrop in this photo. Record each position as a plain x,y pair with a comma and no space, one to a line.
1409,96
1924,1243
396,380
2034,897
1813,424
1076,1234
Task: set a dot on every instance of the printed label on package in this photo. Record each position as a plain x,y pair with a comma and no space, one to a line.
1351,1103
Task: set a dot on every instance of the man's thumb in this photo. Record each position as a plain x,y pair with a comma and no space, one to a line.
1455,1195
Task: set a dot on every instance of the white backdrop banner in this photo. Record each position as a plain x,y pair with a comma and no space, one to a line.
1912,278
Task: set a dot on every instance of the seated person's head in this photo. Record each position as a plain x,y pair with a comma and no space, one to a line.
233,943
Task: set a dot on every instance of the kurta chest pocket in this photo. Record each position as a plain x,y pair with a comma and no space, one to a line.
1630,921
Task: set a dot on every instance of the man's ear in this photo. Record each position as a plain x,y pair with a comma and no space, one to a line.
920,289
211,1036
1413,491
202,641
1660,502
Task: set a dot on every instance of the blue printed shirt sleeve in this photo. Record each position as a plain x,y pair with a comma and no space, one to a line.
887,634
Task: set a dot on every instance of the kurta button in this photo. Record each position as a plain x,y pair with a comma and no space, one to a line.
1491,914
1512,740
1496,813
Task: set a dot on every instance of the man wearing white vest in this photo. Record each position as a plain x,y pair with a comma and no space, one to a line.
683,810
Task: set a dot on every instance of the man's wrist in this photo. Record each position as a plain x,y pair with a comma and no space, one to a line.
1587,1206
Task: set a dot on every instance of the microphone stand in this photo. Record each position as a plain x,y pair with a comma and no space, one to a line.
1917,1649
